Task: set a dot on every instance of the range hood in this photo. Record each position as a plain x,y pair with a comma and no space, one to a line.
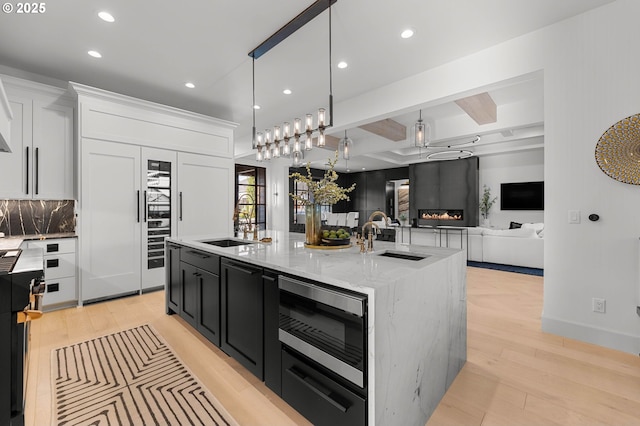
5,121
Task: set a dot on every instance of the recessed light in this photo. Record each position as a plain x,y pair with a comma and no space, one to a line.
348,170
364,168
106,16
287,91
190,85
256,107
94,53
408,33
342,64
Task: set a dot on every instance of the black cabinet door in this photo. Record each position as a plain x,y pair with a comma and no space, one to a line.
190,286
209,309
242,314
272,347
173,288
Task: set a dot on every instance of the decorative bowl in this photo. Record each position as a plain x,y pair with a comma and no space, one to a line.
336,241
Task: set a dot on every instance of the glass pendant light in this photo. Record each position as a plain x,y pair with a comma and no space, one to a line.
346,145
297,158
420,136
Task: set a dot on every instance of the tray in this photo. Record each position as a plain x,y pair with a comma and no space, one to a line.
335,241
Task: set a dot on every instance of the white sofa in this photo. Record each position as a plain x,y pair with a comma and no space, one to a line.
520,247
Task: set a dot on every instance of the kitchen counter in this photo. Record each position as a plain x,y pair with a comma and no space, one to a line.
416,313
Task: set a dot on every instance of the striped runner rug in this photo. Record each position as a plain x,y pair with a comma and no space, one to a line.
129,378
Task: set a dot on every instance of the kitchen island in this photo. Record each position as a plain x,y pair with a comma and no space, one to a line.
415,320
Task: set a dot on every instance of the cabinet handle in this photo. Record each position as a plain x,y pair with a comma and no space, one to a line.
52,248
53,263
316,388
27,170
240,268
145,206
138,205
37,167
180,207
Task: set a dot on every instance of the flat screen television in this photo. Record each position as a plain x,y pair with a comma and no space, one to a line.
522,196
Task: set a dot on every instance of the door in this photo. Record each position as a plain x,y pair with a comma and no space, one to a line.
52,157
242,314
15,167
209,309
205,195
110,203
190,285
158,218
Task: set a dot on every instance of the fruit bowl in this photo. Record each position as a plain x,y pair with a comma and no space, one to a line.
336,241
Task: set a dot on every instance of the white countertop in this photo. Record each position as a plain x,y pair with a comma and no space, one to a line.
346,267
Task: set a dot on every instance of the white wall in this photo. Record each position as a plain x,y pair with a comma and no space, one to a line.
591,68
521,166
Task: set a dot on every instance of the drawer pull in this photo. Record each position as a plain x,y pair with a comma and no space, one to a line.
316,388
53,263
52,248
240,268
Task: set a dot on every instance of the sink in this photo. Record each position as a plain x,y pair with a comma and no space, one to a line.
403,255
227,242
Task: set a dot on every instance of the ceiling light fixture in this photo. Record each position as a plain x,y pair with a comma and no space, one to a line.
421,132
457,154
287,91
94,53
346,145
106,16
408,33
342,64
190,85
266,146
256,107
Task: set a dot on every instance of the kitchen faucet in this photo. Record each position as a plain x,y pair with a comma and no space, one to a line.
236,215
370,236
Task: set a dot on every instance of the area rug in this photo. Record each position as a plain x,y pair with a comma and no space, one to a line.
129,378
508,268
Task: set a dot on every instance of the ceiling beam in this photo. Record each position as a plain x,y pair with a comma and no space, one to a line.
480,107
387,128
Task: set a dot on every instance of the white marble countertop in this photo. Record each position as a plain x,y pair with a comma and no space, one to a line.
345,268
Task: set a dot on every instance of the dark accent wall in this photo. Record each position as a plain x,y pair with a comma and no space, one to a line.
445,185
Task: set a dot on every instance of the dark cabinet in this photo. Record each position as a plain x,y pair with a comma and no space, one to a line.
242,310
173,289
200,292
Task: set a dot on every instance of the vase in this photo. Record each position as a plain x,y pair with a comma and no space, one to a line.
313,224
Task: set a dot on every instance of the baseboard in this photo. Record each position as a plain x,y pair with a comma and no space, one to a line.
598,336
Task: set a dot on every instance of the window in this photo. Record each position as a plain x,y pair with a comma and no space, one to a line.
301,189
251,197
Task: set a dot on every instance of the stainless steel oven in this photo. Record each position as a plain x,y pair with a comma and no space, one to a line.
326,325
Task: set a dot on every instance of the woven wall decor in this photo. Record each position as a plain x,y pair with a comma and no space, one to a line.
618,150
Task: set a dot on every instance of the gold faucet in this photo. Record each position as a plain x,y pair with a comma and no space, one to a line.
379,213
370,236
236,214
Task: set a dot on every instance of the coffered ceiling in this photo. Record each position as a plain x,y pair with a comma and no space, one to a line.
153,48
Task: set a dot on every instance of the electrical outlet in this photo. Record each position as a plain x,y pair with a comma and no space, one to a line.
599,305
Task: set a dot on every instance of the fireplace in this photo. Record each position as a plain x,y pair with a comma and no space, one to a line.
454,215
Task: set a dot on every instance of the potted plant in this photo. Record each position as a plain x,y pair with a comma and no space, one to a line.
486,202
403,218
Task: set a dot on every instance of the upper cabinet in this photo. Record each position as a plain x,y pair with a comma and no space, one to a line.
41,162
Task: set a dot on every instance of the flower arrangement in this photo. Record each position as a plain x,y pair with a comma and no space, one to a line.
323,191
486,202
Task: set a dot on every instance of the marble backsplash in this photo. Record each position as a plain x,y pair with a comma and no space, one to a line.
35,217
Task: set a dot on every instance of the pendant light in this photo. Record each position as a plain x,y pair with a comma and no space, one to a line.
346,145
420,133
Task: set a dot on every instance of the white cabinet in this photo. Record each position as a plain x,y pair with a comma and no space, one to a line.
205,186
41,162
59,271
110,225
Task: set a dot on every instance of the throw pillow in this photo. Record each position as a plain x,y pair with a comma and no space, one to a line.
515,225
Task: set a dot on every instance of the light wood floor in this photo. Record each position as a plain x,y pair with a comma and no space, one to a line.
515,373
